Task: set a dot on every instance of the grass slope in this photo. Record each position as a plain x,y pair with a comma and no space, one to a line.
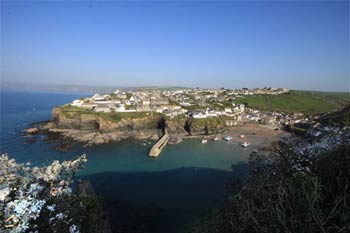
298,101
72,112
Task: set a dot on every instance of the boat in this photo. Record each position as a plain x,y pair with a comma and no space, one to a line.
242,136
245,144
216,139
204,141
228,138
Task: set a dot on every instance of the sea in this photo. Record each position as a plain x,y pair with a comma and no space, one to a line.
164,194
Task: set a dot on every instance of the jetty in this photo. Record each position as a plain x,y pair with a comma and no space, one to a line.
159,145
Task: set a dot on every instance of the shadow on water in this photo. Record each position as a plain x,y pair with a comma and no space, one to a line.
161,201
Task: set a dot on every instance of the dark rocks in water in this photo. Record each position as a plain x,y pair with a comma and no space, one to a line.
31,130
38,124
61,143
175,139
29,135
64,146
34,128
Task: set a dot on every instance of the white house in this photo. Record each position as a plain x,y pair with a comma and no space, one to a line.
127,102
159,109
121,95
77,103
89,106
146,102
241,107
120,108
185,104
130,110
228,110
211,113
199,115
97,97
102,108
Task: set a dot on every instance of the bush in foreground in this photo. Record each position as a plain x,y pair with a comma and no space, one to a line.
288,193
40,199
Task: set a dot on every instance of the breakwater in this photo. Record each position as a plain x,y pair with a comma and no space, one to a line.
159,145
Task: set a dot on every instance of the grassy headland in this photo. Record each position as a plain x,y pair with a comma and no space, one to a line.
307,102
72,112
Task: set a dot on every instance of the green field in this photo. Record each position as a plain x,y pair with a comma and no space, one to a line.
308,102
72,112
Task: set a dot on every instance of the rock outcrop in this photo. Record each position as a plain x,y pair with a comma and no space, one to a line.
31,130
93,128
69,124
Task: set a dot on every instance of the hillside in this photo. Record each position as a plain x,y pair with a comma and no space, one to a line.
307,102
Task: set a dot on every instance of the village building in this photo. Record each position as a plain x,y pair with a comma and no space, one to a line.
160,101
102,108
228,110
89,106
77,103
146,102
120,108
143,108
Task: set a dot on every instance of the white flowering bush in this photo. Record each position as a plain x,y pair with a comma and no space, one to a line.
39,199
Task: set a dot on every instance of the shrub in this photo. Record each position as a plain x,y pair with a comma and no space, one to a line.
40,198
279,197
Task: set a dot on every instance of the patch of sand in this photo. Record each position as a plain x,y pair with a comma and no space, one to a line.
259,136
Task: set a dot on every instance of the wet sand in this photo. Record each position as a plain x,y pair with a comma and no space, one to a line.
259,136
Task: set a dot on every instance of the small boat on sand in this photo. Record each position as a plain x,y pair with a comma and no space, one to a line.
228,138
204,141
242,136
216,139
245,144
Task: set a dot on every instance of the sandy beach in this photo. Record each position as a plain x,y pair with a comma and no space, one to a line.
259,136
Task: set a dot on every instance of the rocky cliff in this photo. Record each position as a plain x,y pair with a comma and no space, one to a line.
96,128
90,128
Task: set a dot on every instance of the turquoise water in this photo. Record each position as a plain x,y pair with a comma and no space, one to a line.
130,156
141,194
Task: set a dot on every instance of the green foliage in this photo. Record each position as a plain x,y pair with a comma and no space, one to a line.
206,223
172,102
297,101
210,122
179,118
89,211
338,118
128,95
85,211
72,112
279,198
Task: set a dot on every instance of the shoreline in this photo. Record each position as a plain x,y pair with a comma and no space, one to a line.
259,136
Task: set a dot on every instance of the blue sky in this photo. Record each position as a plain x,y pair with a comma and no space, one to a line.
299,45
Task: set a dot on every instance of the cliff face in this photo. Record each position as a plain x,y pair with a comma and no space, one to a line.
95,128
88,121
